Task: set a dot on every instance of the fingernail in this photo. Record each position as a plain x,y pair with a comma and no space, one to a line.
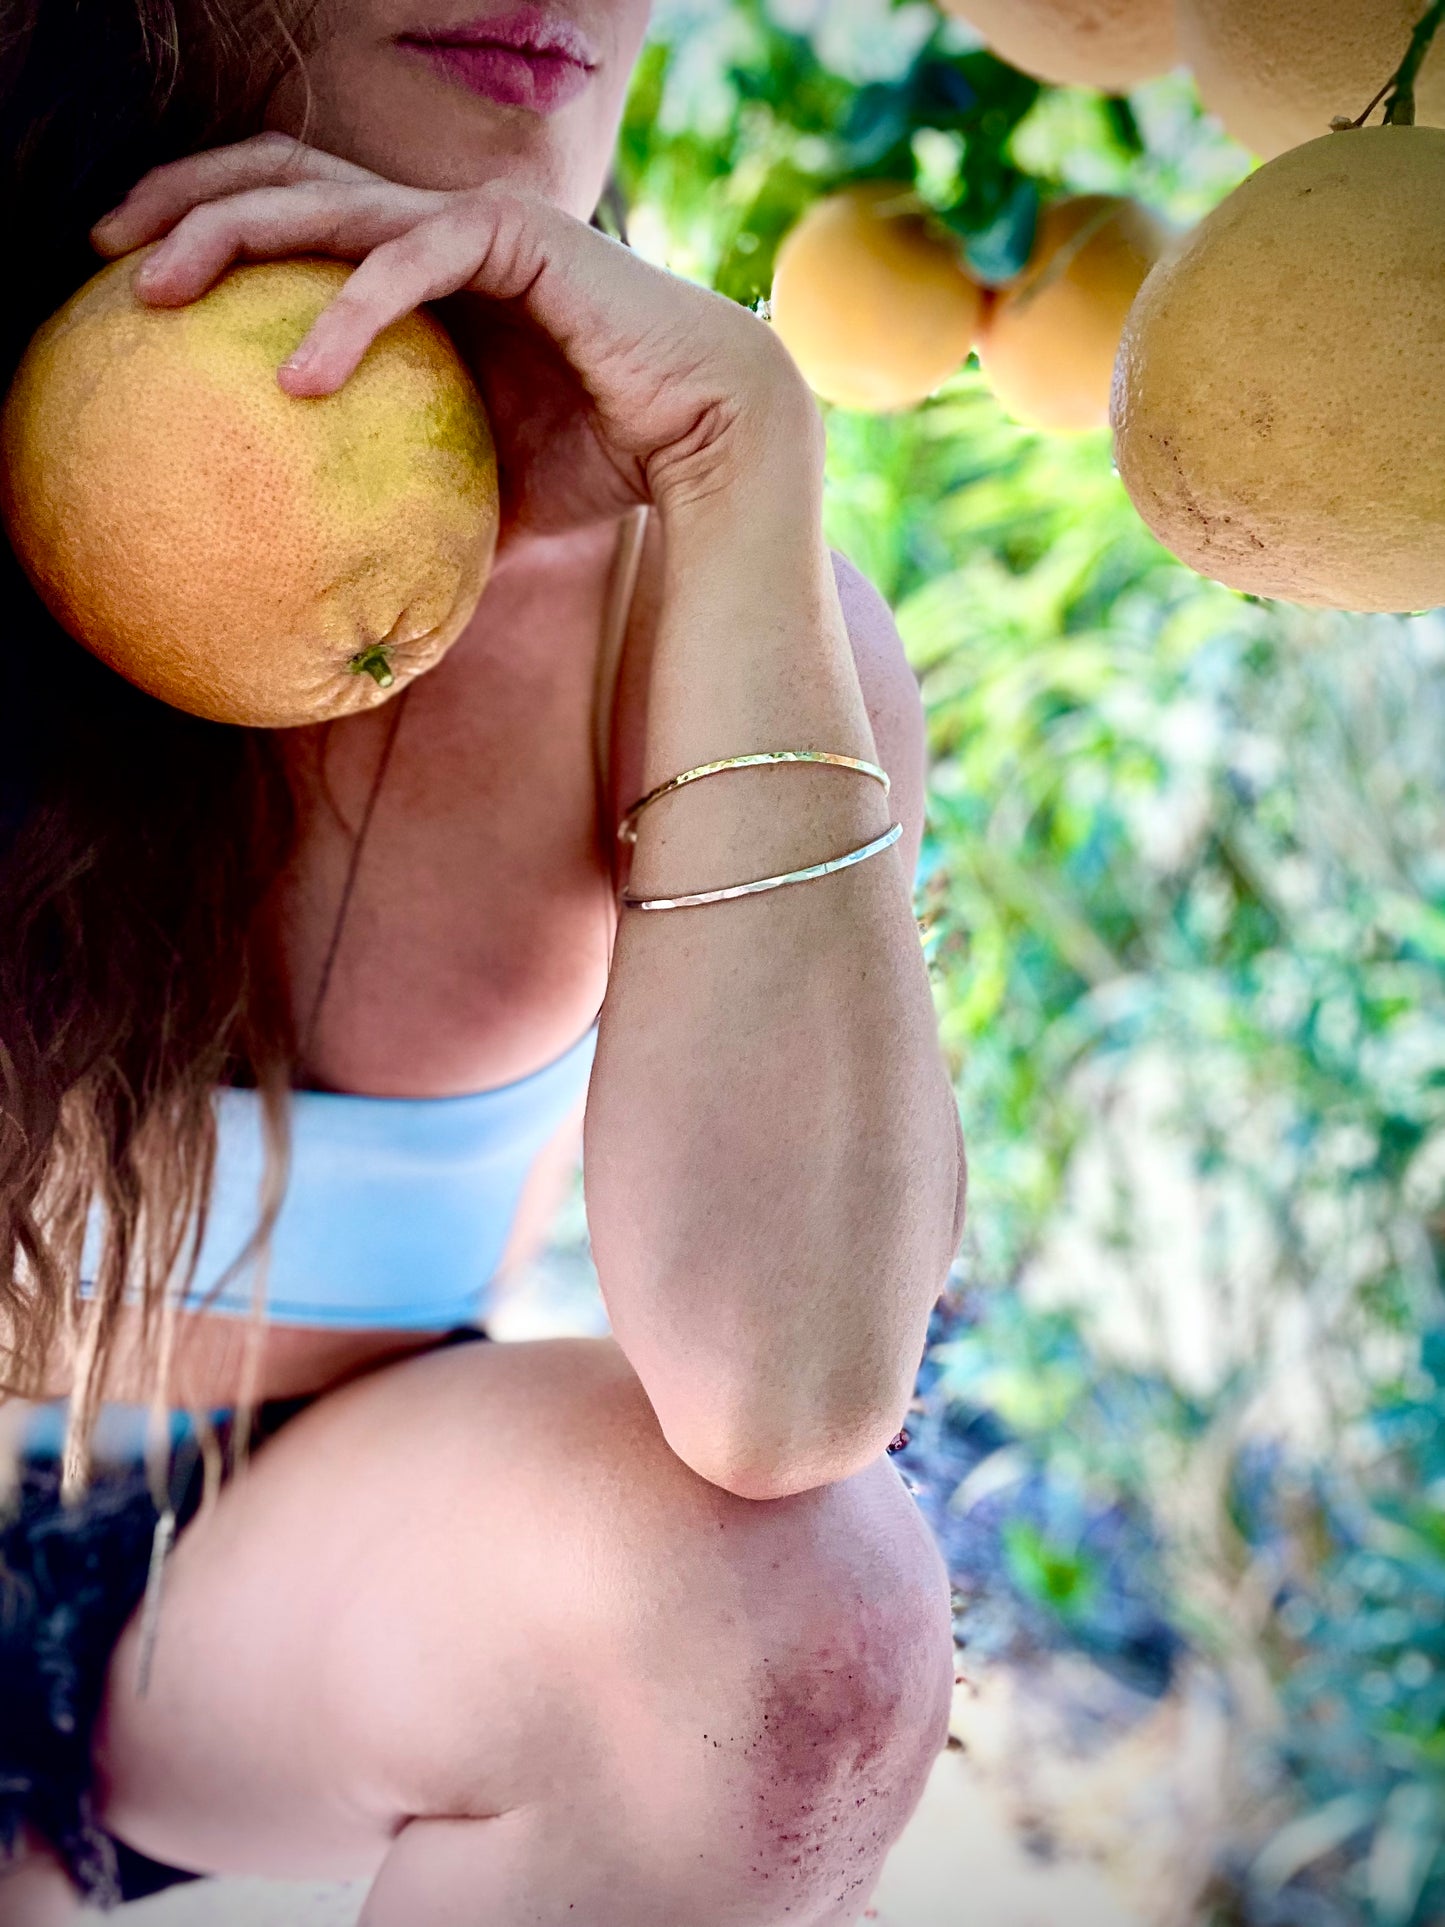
304,354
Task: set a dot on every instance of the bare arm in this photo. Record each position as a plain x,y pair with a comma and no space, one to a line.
771,1152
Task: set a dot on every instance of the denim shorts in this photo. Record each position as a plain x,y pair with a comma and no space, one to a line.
69,1581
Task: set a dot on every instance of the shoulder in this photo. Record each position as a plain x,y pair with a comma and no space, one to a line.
893,700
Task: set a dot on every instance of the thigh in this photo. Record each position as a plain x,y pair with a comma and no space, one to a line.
36,1891
436,1585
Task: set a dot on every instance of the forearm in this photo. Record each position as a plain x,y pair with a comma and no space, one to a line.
771,1156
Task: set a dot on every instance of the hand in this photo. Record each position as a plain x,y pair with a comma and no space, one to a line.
608,381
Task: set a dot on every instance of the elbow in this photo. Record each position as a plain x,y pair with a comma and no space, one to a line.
758,1482
760,1468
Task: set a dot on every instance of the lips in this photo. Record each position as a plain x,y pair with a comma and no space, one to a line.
527,58
542,82
529,30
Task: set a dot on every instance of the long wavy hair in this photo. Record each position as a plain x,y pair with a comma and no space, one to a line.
138,967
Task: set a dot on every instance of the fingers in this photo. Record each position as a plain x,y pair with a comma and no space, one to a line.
332,218
432,258
415,250
160,197
502,243
611,312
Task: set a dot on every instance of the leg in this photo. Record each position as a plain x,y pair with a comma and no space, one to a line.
469,1625
739,1773
37,1891
545,1868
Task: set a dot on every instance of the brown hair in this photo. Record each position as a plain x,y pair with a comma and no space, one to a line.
134,971
138,845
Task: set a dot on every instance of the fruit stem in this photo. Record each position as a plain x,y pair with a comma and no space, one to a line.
1400,107
372,661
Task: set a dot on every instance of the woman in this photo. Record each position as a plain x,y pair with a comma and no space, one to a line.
503,1626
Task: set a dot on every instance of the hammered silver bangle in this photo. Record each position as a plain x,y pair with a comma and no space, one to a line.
627,832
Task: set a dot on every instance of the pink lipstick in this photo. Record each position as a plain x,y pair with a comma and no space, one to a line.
526,58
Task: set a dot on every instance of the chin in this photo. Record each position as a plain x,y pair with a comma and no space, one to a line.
369,108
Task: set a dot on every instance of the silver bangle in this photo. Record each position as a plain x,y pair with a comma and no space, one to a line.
627,828
890,835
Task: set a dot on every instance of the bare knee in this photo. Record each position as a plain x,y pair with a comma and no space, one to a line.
794,1707
763,1684
844,1736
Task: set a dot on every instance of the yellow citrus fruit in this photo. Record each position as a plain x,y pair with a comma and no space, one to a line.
1048,343
1109,44
873,304
248,555
1279,400
1277,72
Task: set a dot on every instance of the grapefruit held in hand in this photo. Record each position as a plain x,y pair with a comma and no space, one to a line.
243,554
1279,398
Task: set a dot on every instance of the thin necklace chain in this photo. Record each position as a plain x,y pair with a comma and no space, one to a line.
164,1535
352,869
358,843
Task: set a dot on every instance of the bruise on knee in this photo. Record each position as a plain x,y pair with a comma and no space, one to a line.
844,1736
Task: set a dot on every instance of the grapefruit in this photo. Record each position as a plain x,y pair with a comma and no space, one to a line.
1277,72
1049,340
871,300
1108,44
244,554
1279,399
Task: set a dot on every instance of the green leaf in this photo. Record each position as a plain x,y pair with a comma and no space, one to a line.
1123,125
876,138
997,247
1054,1576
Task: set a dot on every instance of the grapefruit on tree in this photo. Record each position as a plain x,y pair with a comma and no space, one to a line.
1049,340
1278,72
1279,399
871,298
1109,44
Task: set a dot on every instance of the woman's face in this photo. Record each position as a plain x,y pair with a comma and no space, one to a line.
379,101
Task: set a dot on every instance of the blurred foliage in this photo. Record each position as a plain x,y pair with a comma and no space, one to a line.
1365,1681
1183,902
